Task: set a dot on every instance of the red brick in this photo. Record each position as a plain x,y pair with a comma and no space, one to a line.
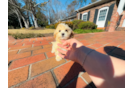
78,83
39,39
26,39
43,81
26,61
47,46
21,47
39,44
97,45
45,65
85,42
33,39
30,43
86,77
49,54
12,52
17,56
30,49
41,51
17,76
101,50
67,72
18,45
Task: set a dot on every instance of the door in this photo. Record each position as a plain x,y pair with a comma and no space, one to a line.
102,15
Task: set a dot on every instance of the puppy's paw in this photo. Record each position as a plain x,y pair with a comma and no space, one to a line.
58,58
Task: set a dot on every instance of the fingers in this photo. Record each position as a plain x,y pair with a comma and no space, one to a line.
62,56
62,51
64,47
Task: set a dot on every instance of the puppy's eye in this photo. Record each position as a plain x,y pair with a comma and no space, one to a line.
66,30
59,30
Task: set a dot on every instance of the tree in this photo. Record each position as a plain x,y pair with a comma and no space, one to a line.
30,6
72,6
19,12
94,0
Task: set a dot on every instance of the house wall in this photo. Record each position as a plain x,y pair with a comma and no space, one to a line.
115,18
122,19
92,10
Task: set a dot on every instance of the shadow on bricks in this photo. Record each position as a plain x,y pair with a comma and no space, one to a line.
71,78
115,52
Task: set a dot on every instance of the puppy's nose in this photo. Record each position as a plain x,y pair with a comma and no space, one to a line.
62,34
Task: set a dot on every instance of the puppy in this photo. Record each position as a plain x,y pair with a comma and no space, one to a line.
62,32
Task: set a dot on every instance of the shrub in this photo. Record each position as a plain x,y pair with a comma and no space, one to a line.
52,26
22,28
87,25
69,23
32,27
48,26
76,23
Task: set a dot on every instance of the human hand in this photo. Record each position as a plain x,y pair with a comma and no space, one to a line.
71,46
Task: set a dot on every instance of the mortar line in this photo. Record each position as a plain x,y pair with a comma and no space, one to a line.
55,79
28,80
88,84
70,82
26,65
29,74
45,55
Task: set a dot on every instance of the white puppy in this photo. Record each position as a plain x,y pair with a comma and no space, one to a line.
62,32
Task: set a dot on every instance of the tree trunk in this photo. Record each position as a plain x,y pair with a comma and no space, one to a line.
35,21
26,25
19,19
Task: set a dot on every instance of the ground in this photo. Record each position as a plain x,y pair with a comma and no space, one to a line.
32,65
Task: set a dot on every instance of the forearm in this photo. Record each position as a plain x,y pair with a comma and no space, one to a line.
101,68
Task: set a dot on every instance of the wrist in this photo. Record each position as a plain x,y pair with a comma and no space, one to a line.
82,54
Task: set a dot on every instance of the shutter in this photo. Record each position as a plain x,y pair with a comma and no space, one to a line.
95,16
109,14
88,16
80,16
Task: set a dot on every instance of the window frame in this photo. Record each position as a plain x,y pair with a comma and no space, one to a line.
83,15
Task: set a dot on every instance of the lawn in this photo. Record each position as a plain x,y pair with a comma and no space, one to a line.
80,31
25,31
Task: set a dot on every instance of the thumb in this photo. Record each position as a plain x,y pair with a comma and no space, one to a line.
74,46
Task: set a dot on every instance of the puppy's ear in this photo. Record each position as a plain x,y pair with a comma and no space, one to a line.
55,32
72,34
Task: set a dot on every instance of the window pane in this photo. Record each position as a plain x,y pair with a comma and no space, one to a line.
102,15
85,17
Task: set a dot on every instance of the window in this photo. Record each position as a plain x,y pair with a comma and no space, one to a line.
85,17
102,15
72,19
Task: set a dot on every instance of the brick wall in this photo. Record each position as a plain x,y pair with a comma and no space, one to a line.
92,10
122,19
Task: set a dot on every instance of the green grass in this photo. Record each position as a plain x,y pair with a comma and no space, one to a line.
29,35
80,31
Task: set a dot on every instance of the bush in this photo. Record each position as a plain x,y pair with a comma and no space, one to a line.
69,23
32,27
22,28
52,26
87,25
48,26
76,23
30,35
